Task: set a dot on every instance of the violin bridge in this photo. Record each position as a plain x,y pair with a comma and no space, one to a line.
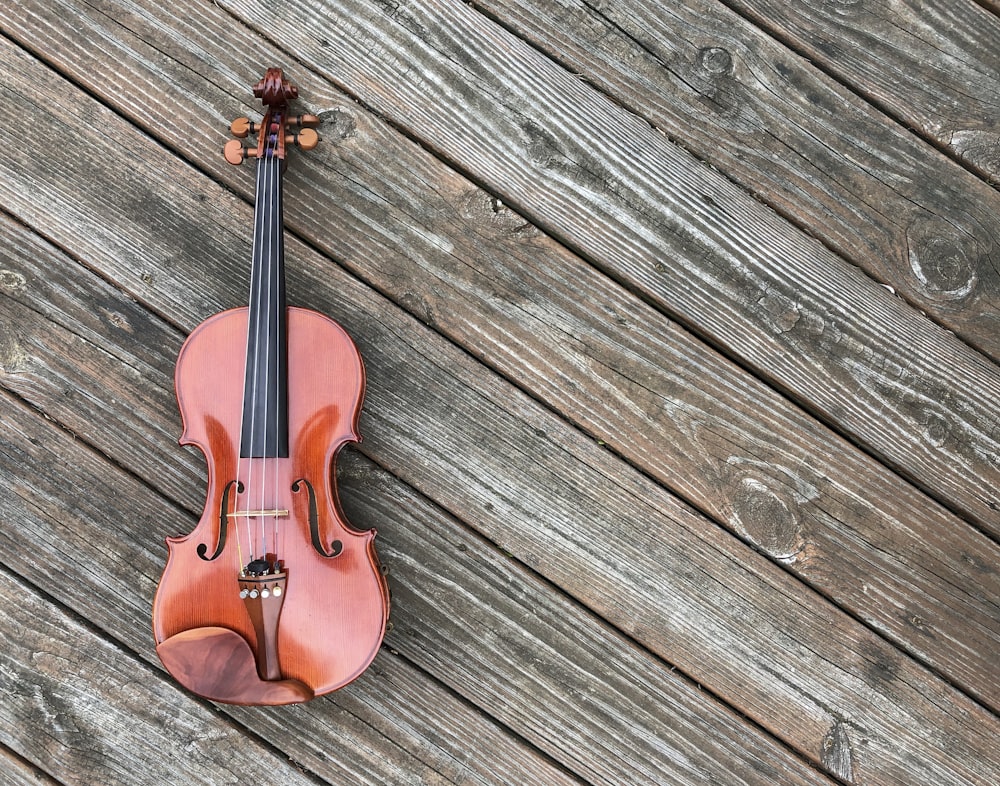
252,513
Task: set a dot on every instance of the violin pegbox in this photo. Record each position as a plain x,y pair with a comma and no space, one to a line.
280,130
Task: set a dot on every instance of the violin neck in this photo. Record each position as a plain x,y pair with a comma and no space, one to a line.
265,399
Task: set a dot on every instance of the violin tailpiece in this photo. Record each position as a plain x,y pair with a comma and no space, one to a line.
263,596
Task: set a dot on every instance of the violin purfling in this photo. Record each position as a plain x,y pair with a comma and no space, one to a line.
273,598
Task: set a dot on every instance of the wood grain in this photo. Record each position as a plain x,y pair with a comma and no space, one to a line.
66,536
682,413
399,507
589,523
509,636
90,712
19,772
673,230
804,144
933,65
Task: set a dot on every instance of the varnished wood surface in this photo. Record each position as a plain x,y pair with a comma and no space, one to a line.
681,433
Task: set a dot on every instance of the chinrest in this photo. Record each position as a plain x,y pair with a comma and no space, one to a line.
218,664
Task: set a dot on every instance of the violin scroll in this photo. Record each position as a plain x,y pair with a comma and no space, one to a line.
280,130
274,90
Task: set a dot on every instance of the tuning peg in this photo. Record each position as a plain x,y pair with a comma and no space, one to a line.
305,139
242,126
234,152
303,121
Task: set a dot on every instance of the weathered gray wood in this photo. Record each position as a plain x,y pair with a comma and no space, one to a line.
17,772
933,65
688,418
513,636
585,649
603,667
796,139
591,524
68,516
87,712
680,233
137,352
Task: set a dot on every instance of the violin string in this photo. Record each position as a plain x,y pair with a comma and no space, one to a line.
264,309
279,252
267,314
253,339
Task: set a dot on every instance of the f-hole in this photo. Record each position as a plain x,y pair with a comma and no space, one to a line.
336,546
223,522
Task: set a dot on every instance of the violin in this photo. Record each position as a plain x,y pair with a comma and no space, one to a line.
273,598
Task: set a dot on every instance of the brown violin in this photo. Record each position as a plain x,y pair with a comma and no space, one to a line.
273,598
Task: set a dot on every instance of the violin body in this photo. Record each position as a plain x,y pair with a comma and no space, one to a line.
273,598
335,608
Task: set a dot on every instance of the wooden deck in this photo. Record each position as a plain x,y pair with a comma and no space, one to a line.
682,434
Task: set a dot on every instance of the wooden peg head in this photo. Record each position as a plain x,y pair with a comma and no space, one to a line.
241,127
307,139
234,152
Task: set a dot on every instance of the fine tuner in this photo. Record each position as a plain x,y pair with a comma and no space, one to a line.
299,131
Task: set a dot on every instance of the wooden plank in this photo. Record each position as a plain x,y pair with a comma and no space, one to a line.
138,351
365,734
686,416
555,644
629,719
932,65
45,362
669,227
65,348
818,154
564,505
561,674
426,557
18,772
85,711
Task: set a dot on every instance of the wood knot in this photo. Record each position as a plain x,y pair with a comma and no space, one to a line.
780,311
769,522
490,211
418,306
13,358
12,281
937,429
117,319
338,124
941,262
543,148
715,60
712,75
